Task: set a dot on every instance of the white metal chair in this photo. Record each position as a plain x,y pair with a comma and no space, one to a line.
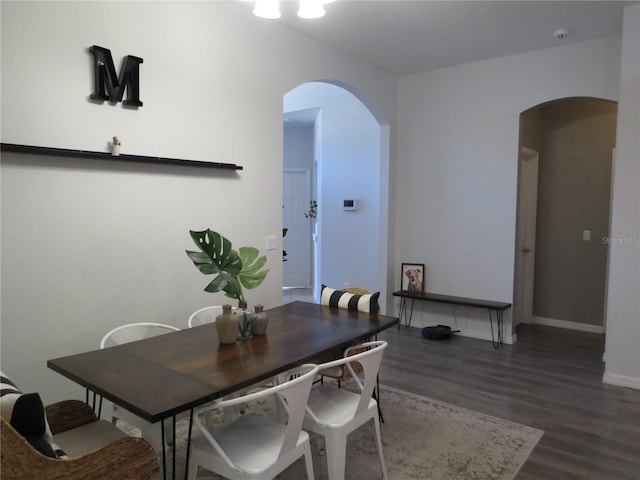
340,373
204,315
129,333
335,412
257,446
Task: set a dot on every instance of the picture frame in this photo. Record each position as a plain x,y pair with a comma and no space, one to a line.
412,279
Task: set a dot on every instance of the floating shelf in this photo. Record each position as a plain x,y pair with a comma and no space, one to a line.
63,152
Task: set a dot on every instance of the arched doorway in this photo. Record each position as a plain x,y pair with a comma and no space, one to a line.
575,140
332,133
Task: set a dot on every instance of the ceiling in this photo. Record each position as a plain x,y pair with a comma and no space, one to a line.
404,37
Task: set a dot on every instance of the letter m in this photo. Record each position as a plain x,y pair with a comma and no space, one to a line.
108,86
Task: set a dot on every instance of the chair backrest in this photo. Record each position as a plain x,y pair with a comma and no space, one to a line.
292,394
135,331
204,315
369,360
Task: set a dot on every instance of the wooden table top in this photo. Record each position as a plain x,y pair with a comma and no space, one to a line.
159,377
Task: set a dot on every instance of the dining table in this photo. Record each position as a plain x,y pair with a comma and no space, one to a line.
160,377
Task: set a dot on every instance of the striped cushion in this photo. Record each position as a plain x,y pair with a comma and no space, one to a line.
25,412
338,298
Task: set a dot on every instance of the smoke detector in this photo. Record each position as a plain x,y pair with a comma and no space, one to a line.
561,34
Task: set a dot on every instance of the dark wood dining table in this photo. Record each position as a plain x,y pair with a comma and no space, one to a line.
160,377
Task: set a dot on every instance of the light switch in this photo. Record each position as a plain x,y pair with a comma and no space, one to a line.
586,235
272,242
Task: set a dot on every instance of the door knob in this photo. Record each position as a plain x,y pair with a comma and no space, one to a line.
526,249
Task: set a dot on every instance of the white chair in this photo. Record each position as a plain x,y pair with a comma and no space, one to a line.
340,373
204,315
335,412
256,446
128,333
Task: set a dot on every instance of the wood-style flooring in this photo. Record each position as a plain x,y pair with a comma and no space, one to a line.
550,379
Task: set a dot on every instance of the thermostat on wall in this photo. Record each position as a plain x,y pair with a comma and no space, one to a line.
349,204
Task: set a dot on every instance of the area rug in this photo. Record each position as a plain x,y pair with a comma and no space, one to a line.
422,439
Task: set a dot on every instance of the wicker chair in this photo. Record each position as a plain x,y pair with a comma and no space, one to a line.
125,458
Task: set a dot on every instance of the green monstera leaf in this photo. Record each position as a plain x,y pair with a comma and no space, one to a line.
233,269
250,275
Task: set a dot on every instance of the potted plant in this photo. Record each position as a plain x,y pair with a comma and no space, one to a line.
233,270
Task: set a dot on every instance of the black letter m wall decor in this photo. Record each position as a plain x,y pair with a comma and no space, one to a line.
107,86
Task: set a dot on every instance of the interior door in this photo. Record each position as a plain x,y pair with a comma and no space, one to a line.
297,242
526,235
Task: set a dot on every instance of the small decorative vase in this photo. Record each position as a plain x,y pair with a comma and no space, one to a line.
244,326
227,326
259,321
115,147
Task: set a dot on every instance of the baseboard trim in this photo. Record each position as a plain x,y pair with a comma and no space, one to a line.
552,322
621,380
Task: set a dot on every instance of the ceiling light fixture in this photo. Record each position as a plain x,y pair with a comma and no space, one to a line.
267,9
307,8
311,9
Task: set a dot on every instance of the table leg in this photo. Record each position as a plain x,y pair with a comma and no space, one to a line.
186,465
173,447
499,328
164,451
410,314
403,305
403,312
376,396
93,404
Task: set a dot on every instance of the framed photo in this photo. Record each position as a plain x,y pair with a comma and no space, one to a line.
412,277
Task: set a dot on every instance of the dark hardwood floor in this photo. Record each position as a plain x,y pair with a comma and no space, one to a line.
550,379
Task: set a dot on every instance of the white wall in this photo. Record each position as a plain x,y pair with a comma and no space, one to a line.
348,167
88,245
298,147
623,304
457,166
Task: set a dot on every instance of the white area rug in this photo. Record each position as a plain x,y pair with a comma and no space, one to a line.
422,439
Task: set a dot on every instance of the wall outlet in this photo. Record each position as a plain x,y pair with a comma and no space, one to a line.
272,242
586,235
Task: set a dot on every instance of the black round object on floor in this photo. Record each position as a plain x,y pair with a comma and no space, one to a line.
438,332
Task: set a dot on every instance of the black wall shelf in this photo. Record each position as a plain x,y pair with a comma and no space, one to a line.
63,152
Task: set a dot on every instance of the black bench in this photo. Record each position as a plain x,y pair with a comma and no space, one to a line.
497,307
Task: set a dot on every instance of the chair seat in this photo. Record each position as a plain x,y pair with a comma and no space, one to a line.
333,372
89,437
252,444
334,413
335,407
